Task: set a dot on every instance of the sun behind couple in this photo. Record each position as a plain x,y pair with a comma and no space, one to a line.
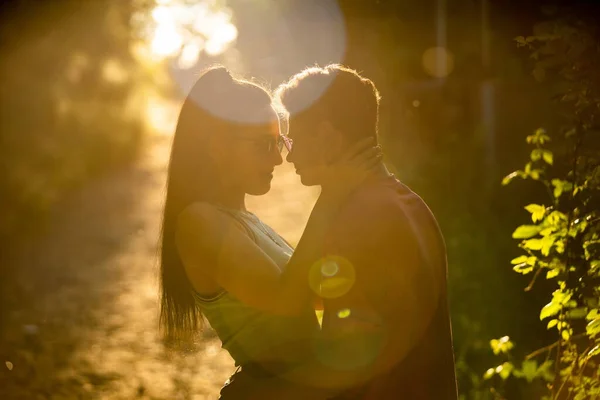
371,253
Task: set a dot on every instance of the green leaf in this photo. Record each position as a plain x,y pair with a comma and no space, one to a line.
553,273
561,297
519,260
561,186
577,313
526,231
536,154
559,247
529,370
558,190
593,327
552,323
489,373
594,352
548,156
556,217
505,370
508,178
546,371
566,334
523,268
550,310
537,211
541,136
533,244
502,345
570,132
547,243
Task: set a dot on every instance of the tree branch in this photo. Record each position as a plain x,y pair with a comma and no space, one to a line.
551,346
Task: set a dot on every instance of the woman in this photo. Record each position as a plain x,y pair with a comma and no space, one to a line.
221,262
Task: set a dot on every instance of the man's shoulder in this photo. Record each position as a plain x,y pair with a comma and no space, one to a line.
388,199
387,212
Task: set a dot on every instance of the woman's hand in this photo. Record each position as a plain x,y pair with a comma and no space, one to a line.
350,170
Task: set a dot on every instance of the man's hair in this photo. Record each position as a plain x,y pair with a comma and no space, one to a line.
350,101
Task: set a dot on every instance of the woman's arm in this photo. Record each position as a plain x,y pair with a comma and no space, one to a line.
241,267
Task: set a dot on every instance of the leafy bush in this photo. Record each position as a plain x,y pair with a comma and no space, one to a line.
562,242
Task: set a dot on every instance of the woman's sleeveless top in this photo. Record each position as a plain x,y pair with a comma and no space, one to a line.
250,334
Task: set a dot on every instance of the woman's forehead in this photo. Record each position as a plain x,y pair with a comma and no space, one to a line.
270,129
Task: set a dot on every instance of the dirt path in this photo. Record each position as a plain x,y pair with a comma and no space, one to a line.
89,327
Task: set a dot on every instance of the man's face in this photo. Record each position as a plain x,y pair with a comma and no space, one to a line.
309,151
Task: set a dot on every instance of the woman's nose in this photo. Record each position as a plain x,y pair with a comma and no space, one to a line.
278,159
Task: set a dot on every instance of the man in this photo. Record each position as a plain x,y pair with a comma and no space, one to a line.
382,278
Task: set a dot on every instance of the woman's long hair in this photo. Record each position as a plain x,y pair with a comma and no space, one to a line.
216,104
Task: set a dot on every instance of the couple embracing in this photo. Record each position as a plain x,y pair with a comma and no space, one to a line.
371,257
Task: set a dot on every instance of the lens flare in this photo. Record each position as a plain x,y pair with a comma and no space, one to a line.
332,277
329,268
438,62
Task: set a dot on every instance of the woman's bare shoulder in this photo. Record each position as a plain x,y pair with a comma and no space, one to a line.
206,217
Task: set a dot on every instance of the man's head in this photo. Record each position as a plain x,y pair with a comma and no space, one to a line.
346,112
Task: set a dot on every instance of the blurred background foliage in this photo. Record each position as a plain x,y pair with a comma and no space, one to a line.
66,116
75,85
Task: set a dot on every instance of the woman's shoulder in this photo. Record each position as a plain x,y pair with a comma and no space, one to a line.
206,216
198,212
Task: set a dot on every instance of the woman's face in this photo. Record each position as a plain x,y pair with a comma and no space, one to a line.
249,158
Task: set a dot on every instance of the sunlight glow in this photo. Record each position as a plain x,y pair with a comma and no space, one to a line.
191,53
78,63
226,33
162,15
206,23
160,115
114,72
178,30
213,48
167,41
